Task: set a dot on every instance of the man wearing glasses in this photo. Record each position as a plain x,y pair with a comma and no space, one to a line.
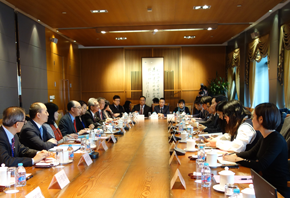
33,135
12,151
67,124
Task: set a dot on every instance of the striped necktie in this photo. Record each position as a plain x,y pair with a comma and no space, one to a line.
12,146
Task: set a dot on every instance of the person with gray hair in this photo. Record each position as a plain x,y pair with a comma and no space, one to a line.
90,118
100,114
12,151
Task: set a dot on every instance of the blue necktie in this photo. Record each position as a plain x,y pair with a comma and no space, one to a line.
41,132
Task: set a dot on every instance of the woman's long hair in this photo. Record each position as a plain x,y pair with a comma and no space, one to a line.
51,109
236,113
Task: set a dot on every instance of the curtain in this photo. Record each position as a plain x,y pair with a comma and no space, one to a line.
252,74
287,79
284,45
233,60
257,50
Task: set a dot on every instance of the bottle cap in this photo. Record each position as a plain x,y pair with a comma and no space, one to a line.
201,147
20,164
236,190
69,145
205,164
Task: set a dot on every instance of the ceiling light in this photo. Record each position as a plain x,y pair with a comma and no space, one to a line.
270,10
205,7
128,31
56,30
38,20
155,30
75,41
178,30
121,38
63,12
149,9
99,11
196,7
239,5
189,37
103,32
209,28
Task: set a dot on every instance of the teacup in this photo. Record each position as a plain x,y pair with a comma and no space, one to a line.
184,136
211,158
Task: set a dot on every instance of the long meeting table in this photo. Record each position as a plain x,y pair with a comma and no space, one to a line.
136,166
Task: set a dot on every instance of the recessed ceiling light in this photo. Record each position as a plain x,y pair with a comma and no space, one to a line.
121,38
38,20
270,10
99,11
189,37
56,30
239,5
103,32
196,7
149,9
155,30
209,28
205,7
75,41
63,12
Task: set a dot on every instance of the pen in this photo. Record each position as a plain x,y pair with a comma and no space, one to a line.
29,177
230,153
246,178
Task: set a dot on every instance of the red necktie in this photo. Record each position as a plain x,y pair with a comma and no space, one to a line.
75,125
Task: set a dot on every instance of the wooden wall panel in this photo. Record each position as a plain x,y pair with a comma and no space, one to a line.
62,61
199,65
107,72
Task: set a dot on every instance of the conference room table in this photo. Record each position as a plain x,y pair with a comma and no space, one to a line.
136,166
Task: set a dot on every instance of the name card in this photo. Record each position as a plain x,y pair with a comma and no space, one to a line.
85,158
102,145
170,117
140,117
172,145
36,193
172,137
172,156
170,128
59,181
123,130
112,137
177,174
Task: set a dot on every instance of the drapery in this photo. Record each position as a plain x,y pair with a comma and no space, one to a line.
252,77
257,50
233,60
283,71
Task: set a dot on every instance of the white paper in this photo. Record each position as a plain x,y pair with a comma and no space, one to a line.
104,145
113,138
87,159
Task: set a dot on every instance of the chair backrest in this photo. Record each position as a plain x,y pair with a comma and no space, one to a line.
60,114
1,122
190,106
153,105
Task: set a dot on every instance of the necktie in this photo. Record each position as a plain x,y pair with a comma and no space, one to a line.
101,115
161,110
12,147
141,110
75,125
41,132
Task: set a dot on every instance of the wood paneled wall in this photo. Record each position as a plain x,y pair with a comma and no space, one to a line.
63,70
106,72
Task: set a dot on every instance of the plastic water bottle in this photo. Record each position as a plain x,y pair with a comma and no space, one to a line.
21,175
236,193
206,176
180,127
200,159
88,145
70,152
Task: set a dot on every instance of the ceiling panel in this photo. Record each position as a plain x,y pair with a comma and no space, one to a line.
134,13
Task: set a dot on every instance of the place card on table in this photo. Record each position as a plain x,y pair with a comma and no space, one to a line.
112,137
59,181
102,144
85,158
36,193
172,145
172,156
176,175
123,130
172,137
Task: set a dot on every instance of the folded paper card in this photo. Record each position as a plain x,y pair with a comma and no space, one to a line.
59,181
176,175
85,158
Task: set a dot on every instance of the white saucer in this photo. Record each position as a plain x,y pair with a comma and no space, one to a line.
218,188
182,141
191,150
217,165
68,162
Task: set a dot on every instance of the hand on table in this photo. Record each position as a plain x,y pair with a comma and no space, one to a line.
82,131
161,115
40,156
116,114
91,126
73,135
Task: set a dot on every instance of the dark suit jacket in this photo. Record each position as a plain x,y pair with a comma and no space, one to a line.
147,109
119,109
66,125
165,110
22,154
104,116
88,120
80,123
30,137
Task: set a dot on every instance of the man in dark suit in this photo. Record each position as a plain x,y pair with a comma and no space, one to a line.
12,151
161,109
90,118
33,135
116,108
142,108
100,113
67,124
